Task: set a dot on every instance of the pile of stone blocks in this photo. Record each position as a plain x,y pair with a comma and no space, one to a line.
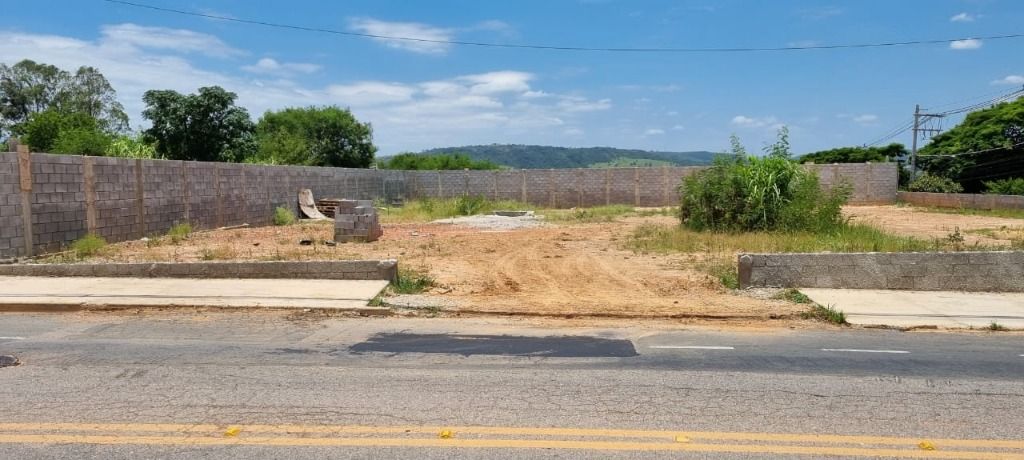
356,221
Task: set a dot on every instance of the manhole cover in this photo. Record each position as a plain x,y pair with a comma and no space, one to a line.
6,360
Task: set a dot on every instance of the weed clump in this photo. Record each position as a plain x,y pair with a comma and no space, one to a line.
179,232
792,295
828,314
411,282
283,216
88,246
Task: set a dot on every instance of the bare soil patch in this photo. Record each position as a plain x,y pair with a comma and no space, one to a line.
919,223
577,269
557,269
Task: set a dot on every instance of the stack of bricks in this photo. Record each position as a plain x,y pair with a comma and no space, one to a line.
356,221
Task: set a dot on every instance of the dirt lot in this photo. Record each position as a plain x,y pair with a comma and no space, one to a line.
916,222
571,269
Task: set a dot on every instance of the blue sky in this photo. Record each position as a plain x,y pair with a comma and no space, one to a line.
421,96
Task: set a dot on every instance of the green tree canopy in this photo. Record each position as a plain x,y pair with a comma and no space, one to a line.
891,152
432,162
58,132
206,126
28,88
987,146
316,136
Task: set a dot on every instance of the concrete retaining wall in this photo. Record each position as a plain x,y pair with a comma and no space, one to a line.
335,269
1001,271
48,201
962,200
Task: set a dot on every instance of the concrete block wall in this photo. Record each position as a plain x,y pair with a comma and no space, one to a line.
68,196
57,200
871,183
12,228
962,200
997,271
119,199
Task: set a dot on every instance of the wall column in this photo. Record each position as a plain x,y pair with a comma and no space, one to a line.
90,194
25,175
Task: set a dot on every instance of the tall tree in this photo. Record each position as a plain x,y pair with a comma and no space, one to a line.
985,146
28,88
206,126
318,136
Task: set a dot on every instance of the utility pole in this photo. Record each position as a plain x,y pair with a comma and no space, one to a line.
919,118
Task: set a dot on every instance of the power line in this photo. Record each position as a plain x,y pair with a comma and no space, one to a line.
892,134
564,48
902,128
960,101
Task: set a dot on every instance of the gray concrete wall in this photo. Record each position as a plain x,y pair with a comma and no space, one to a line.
871,183
962,200
999,271
335,269
68,196
64,197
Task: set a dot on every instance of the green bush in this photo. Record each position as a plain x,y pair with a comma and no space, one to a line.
934,184
133,146
1013,186
470,205
179,232
81,141
88,245
283,216
740,193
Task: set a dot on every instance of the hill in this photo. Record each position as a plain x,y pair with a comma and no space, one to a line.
543,156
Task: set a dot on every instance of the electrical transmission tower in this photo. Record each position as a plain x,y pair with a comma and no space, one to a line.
920,131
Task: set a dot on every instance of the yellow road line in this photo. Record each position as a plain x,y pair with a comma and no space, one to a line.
133,428
495,444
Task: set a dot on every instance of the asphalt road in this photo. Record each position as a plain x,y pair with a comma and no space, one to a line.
272,385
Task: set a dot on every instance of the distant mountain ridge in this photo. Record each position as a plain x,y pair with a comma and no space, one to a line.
543,156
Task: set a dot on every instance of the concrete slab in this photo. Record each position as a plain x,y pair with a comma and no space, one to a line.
924,308
41,293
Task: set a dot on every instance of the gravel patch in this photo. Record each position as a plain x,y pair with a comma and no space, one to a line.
499,223
421,301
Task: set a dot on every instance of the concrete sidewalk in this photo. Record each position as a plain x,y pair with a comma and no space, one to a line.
40,293
924,308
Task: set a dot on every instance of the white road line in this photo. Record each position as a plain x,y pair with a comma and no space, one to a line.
12,338
689,347
855,350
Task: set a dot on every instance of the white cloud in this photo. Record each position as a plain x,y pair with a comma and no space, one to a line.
493,25
754,122
678,127
1010,80
498,82
185,41
411,30
532,94
273,67
963,17
654,132
573,132
866,119
580,104
966,44
370,93
499,106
